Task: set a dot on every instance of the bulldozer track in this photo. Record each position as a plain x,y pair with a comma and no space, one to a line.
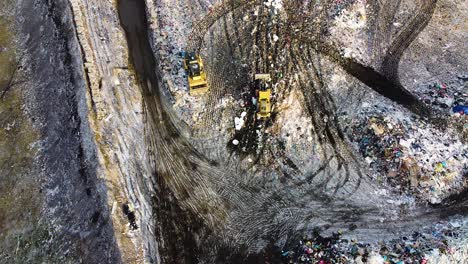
220,37
229,195
380,26
203,5
313,92
215,13
390,63
214,80
378,82
265,41
227,36
255,52
235,16
216,72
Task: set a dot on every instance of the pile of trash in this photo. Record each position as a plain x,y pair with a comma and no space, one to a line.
417,248
339,6
348,28
170,39
404,153
450,95
276,5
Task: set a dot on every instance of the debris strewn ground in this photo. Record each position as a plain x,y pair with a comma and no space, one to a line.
402,152
410,154
440,243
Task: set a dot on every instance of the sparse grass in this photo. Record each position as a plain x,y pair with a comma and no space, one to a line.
19,188
37,246
7,54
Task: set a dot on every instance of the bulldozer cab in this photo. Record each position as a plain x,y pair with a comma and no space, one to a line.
192,64
194,69
264,104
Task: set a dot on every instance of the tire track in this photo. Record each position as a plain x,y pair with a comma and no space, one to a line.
243,213
373,79
380,26
216,12
389,67
329,132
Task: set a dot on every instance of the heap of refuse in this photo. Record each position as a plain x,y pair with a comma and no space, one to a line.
449,95
410,154
340,5
417,248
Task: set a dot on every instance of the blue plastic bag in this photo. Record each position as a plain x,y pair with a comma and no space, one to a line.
461,108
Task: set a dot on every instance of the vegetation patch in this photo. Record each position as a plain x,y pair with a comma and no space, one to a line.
20,195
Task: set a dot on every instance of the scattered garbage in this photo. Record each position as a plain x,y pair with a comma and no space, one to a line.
461,109
275,38
339,6
416,248
445,95
403,153
239,122
277,5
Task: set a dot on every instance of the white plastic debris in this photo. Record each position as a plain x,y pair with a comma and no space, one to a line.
348,53
235,142
405,143
243,114
238,122
275,38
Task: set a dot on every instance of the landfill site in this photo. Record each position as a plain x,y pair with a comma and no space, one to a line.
234,131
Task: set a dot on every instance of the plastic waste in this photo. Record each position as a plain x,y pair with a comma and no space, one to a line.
462,109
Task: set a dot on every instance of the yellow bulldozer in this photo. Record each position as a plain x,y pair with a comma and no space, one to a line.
193,64
264,95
